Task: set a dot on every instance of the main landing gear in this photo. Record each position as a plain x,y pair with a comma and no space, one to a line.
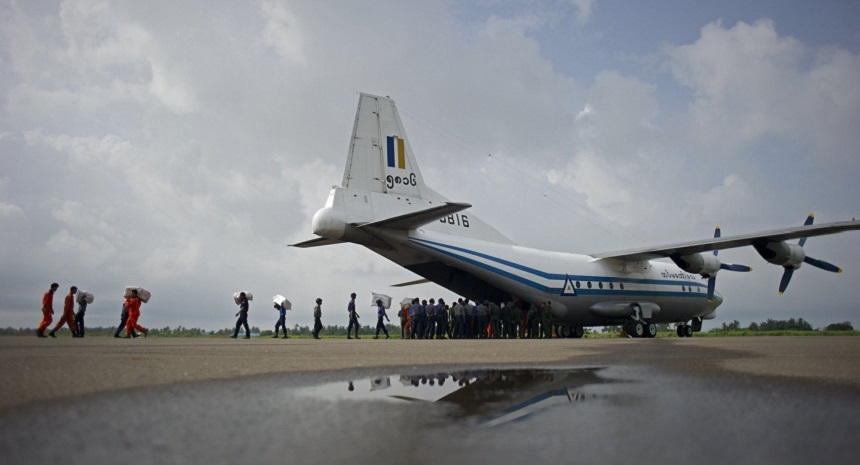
637,328
575,332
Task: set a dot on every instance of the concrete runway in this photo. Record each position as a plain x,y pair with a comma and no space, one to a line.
201,400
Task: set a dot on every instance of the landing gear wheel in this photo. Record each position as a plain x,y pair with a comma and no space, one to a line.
650,330
685,331
578,332
566,331
636,329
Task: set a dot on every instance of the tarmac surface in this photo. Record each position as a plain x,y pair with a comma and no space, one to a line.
206,400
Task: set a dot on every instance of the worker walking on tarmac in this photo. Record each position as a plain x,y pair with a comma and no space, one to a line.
68,314
380,314
79,316
123,319
47,310
242,314
133,304
318,318
281,323
404,321
353,317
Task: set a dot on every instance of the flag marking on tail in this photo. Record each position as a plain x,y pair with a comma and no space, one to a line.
396,152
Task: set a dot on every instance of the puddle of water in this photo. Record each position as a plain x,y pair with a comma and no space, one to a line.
490,397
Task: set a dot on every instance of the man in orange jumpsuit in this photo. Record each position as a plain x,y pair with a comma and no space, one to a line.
47,310
68,314
133,304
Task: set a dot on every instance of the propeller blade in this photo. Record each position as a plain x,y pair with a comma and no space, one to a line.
822,265
786,277
809,220
716,235
712,281
734,267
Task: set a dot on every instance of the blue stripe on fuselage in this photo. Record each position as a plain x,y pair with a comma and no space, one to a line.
440,247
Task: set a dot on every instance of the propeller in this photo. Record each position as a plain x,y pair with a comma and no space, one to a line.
821,264
712,280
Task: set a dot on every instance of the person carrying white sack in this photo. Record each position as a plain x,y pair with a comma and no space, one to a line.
243,316
281,307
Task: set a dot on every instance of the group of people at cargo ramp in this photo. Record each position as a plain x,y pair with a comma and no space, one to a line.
483,320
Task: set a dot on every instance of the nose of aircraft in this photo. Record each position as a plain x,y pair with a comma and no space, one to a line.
718,299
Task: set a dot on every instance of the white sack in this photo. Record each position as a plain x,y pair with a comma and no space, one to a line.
247,294
84,296
141,292
386,300
283,302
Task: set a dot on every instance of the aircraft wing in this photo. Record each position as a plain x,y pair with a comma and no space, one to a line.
730,242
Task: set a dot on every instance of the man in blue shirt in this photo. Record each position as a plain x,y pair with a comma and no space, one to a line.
281,323
415,315
353,317
380,314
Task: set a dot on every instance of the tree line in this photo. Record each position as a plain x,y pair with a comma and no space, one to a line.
791,324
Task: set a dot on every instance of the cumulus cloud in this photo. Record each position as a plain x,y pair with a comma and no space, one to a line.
281,32
750,82
585,9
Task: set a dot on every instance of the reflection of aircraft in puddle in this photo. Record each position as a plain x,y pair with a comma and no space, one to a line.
500,396
492,396
382,382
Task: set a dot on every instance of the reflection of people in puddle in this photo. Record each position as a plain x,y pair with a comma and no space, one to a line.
351,387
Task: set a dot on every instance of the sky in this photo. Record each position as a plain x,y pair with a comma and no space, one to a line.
181,146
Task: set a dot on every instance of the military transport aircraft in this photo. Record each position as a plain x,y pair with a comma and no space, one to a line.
384,205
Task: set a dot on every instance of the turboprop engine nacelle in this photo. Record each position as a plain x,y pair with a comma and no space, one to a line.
782,254
705,265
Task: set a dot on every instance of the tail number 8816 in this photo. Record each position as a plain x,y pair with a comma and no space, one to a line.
456,220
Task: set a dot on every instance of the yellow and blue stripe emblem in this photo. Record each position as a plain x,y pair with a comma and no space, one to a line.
396,149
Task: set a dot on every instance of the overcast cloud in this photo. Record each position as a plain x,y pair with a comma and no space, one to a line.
180,146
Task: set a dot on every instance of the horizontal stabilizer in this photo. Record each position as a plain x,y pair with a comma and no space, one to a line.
318,242
418,218
412,283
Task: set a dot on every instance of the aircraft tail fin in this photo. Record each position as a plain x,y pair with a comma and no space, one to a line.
383,189
380,157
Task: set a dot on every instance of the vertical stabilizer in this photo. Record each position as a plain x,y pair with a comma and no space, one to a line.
380,158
